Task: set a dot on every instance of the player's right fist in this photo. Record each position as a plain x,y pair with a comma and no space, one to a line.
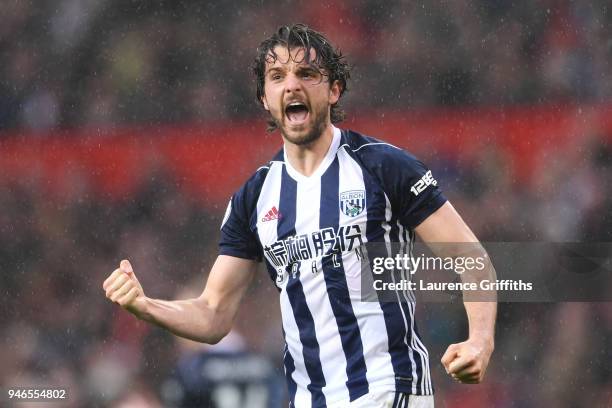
123,288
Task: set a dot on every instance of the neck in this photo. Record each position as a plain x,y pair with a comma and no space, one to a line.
306,158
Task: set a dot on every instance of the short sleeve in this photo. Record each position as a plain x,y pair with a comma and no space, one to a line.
411,187
417,193
237,237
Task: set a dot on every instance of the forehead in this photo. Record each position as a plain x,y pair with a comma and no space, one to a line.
284,57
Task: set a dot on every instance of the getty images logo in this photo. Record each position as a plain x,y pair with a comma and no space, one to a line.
423,183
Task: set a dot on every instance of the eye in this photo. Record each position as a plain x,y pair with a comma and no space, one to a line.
308,75
275,76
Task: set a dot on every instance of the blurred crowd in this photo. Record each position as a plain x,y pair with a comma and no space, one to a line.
101,62
58,327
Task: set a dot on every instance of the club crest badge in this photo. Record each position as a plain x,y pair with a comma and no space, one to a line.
352,203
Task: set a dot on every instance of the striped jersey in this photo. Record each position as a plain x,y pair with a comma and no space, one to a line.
309,231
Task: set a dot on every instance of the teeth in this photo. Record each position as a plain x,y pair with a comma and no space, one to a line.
296,104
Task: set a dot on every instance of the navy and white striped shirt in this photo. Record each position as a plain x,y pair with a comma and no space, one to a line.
338,348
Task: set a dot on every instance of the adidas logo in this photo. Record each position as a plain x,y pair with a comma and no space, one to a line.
273,214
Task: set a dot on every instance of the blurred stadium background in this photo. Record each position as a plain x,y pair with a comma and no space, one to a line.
126,125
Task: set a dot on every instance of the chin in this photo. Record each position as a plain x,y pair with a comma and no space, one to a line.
301,137
305,134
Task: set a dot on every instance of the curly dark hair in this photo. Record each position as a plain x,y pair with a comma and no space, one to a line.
329,61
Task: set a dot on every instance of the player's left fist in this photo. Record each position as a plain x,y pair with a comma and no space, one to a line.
467,362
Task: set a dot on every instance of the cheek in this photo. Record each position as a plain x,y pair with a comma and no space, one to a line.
273,100
324,96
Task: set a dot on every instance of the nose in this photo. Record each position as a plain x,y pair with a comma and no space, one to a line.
292,83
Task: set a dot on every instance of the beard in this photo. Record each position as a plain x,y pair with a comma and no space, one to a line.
319,123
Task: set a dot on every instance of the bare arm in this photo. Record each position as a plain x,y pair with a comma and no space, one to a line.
466,361
207,318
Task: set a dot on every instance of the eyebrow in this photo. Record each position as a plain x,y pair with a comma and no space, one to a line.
308,68
274,69
300,68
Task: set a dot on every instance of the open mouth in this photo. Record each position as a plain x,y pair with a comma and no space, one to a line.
296,112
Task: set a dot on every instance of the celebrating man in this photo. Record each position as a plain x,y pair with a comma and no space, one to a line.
326,193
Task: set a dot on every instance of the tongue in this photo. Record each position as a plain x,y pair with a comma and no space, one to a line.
297,114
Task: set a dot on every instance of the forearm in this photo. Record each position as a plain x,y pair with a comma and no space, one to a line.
207,318
481,306
193,319
481,320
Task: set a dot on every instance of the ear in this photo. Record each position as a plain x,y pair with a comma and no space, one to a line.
265,102
334,92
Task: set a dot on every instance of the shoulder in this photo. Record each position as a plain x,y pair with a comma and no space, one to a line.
244,200
251,188
379,156
256,180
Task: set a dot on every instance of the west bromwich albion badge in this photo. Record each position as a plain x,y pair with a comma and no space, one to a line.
352,203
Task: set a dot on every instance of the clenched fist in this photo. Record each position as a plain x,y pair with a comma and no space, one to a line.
123,288
467,362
